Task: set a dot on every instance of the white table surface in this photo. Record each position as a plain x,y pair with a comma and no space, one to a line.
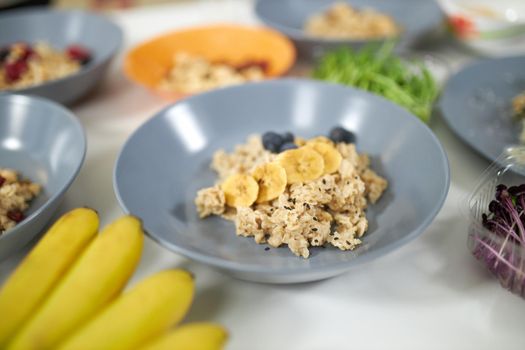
429,294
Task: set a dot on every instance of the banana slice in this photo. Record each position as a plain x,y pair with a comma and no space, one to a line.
321,139
299,141
240,190
301,164
271,178
331,156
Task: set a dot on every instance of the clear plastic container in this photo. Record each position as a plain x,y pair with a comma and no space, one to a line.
504,257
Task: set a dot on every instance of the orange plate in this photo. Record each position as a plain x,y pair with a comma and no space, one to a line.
147,63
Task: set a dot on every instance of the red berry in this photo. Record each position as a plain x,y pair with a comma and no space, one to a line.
462,26
79,53
27,53
263,65
15,215
14,70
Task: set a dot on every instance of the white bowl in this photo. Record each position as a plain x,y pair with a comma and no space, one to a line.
491,27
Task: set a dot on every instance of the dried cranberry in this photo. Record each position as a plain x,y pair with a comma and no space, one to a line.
2,180
14,70
15,215
79,53
27,53
263,65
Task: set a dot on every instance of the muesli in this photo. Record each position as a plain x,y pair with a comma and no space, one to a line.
15,196
23,65
342,21
283,189
193,74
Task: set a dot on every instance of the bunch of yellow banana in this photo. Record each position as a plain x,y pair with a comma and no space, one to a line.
66,294
310,161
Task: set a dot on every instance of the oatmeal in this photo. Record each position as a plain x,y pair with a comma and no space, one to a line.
342,21
22,65
15,195
193,74
302,196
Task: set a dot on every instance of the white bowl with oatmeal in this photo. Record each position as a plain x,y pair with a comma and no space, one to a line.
42,147
371,203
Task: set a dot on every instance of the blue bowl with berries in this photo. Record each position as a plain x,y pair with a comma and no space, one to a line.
60,55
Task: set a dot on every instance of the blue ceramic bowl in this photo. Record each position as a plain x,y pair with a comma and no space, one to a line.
46,144
60,29
418,18
476,103
166,161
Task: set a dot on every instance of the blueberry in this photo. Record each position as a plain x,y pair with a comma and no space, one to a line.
272,141
339,134
286,146
287,137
